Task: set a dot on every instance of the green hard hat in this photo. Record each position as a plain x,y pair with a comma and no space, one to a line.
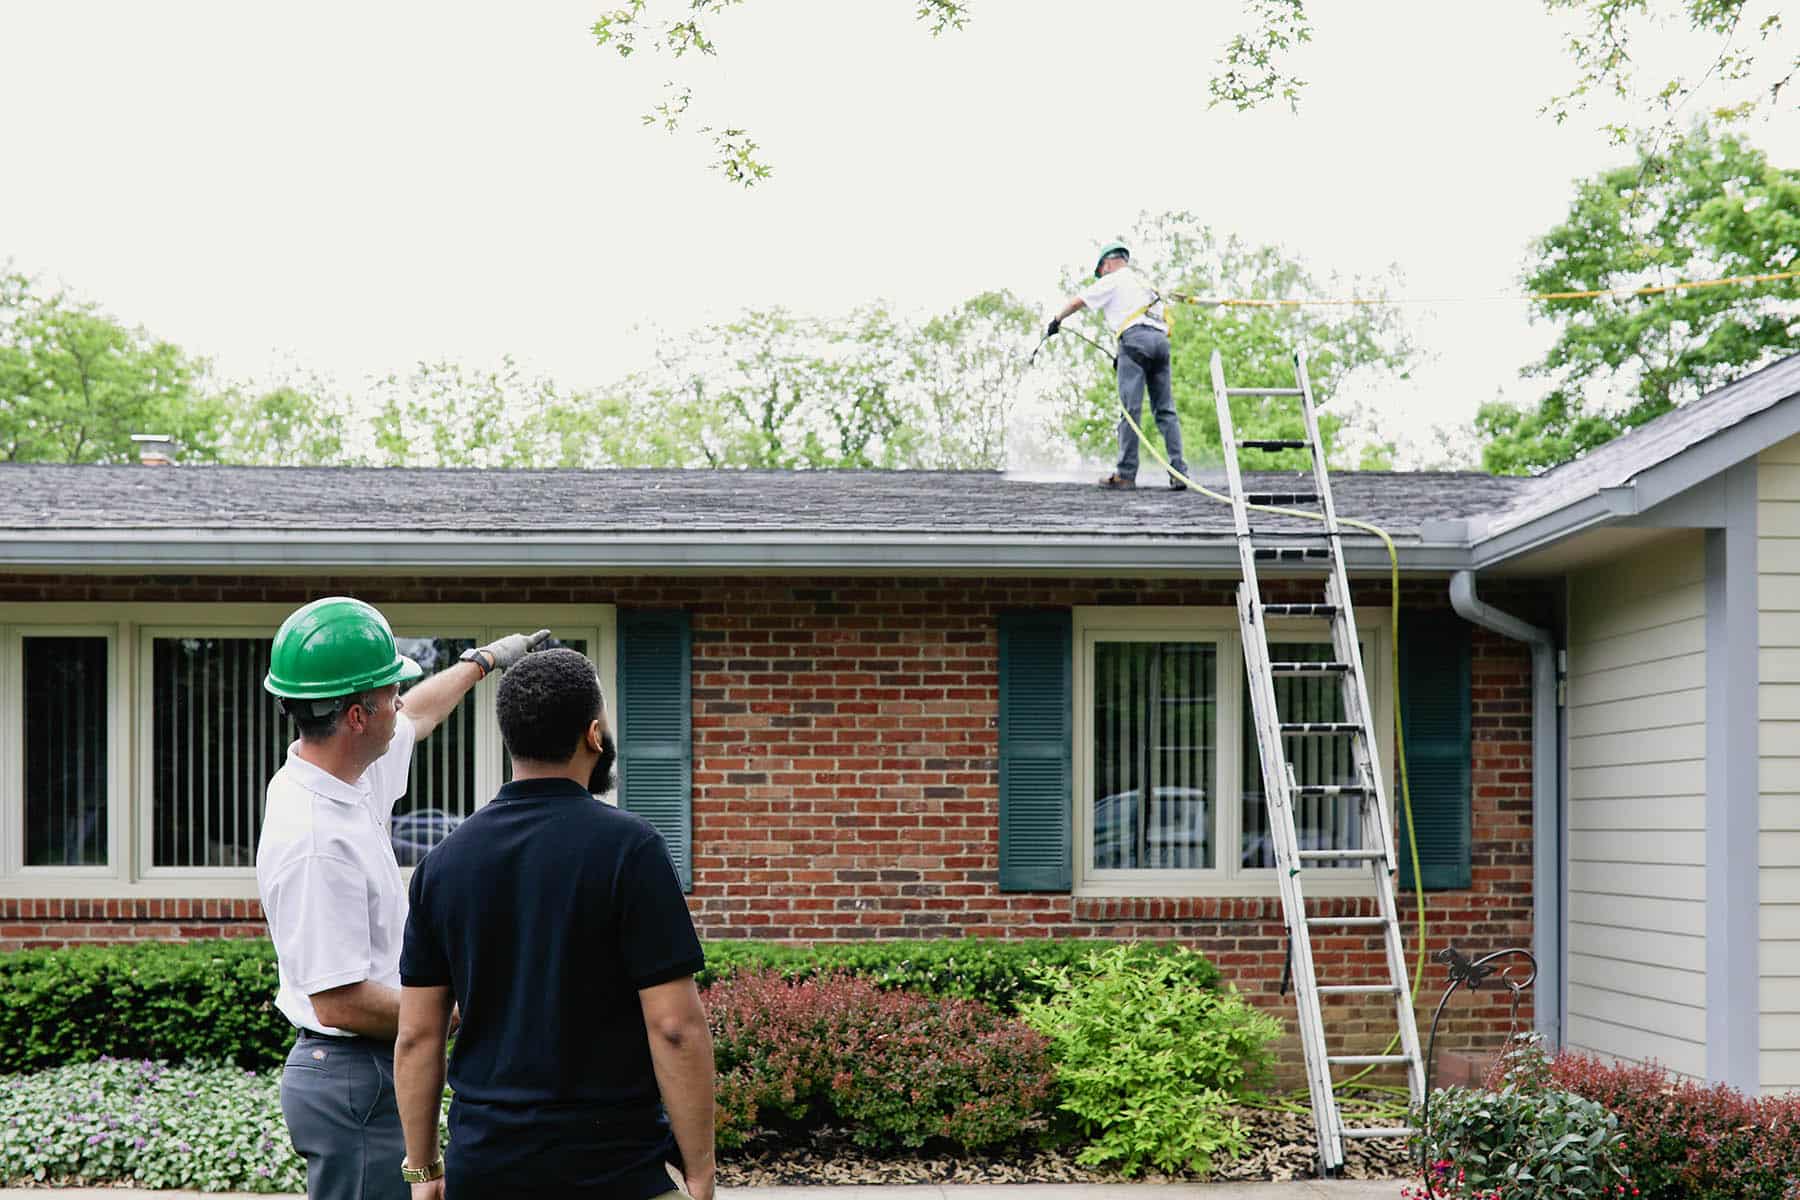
334,647
1107,251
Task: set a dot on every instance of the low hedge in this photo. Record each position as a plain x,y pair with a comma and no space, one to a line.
1692,1141
213,1001
1005,974
206,1001
897,1069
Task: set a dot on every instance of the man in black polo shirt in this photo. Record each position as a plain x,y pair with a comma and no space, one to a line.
583,1064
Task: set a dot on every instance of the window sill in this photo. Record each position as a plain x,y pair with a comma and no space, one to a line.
1232,906
1319,885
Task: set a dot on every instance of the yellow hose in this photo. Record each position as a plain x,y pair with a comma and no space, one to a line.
1412,836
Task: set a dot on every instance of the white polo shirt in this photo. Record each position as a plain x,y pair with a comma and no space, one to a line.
1120,293
329,883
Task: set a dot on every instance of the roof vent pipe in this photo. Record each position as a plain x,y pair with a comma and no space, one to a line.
155,449
1548,1003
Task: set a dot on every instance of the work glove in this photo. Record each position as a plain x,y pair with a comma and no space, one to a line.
1055,324
510,649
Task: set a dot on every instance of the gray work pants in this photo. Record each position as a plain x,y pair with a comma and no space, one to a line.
338,1098
1144,361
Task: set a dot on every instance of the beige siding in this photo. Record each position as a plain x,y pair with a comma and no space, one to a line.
1637,806
1778,710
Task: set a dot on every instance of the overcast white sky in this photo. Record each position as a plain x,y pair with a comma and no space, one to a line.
353,187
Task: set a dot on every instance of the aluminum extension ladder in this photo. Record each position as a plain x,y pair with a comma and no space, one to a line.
1312,551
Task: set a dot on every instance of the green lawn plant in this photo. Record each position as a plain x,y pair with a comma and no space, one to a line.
1150,1054
202,1128
1522,1138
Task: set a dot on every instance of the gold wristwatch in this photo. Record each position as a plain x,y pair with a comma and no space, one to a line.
423,1174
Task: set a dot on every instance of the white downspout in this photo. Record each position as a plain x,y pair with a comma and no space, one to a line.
1546,808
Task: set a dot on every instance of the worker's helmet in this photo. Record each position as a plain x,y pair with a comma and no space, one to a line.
1110,250
335,647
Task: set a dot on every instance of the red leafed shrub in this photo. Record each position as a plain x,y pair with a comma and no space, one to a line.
1688,1141
897,1068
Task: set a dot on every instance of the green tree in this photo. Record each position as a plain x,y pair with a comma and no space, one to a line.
1708,206
633,27
773,390
75,384
290,425
442,415
1741,48
1744,44
969,367
1179,254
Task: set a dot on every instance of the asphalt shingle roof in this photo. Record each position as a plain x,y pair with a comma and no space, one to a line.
1653,442
262,499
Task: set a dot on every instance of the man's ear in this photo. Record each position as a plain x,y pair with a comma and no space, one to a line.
593,736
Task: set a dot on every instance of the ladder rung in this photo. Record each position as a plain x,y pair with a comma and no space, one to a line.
1282,497
1320,728
1357,989
1273,444
1328,791
1299,610
1380,1131
1347,922
1366,1060
1262,391
1292,553
1308,668
1337,855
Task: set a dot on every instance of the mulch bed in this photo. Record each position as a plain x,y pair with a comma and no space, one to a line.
1281,1148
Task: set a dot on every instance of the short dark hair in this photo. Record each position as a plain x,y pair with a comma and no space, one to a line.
546,702
314,727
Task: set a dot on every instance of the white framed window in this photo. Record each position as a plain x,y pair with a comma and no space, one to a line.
62,756
136,741
1168,786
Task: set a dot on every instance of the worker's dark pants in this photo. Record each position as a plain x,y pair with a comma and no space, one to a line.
1144,360
338,1097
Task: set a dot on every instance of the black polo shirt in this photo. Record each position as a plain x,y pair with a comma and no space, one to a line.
545,913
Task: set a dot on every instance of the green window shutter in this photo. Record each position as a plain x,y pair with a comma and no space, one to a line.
1434,710
656,740
1036,705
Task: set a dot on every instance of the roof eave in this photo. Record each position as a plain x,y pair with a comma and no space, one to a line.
167,550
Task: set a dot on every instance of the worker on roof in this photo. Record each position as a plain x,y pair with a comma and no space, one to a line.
1136,313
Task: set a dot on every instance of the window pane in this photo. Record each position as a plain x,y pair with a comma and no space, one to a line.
65,742
1155,746
580,646
440,791
1322,824
218,737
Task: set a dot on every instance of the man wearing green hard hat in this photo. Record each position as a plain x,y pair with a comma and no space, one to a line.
1139,318
330,885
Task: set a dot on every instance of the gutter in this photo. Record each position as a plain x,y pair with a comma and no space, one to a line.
1547,939
603,551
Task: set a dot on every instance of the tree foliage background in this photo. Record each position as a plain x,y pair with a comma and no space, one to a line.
1707,206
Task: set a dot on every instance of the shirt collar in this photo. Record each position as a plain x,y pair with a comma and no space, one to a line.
322,782
542,789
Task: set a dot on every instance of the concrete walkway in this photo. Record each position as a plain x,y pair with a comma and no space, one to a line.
1338,1189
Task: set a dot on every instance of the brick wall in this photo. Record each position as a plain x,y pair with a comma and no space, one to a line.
845,774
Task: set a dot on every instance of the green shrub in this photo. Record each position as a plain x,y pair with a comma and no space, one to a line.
213,1001
209,1129
1148,1055
1002,973
897,1069
1523,1138
206,1001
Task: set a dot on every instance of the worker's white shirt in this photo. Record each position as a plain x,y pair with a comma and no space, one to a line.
1120,293
329,883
